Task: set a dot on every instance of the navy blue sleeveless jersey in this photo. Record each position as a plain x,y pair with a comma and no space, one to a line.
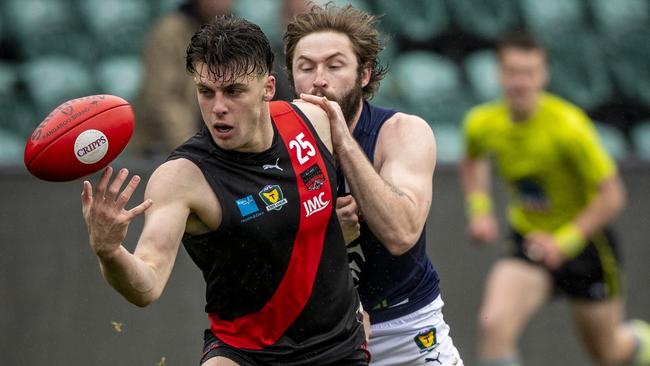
277,279
389,286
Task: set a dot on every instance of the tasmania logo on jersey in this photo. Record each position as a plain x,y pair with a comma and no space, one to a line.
426,339
313,178
273,197
315,204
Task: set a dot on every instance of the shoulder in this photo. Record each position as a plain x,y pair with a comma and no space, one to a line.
403,126
318,119
175,179
315,114
480,116
567,116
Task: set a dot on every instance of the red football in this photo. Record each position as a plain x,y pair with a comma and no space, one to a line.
79,137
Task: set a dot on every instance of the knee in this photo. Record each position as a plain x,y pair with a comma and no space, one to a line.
490,323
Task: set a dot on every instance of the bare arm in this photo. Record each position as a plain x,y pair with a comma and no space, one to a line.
140,277
394,199
568,241
475,180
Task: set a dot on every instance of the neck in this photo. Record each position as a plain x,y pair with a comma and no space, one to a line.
353,123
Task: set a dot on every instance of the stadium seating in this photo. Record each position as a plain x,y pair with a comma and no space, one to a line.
53,80
119,26
629,60
550,19
265,13
484,18
613,18
119,75
449,142
613,140
430,86
578,70
48,27
419,20
481,69
640,135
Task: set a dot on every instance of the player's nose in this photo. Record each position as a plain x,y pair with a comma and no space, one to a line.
320,81
219,106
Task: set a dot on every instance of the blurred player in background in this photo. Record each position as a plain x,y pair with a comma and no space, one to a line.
386,162
165,109
252,198
565,194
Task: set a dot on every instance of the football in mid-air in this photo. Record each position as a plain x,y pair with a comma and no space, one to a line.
79,137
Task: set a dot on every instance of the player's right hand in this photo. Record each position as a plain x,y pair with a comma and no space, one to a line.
347,212
483,229
103,210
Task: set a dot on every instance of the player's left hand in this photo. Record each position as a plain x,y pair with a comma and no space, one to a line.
541,247
338,126
348,215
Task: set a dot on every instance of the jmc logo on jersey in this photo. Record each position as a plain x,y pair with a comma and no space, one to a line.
273,197
315,204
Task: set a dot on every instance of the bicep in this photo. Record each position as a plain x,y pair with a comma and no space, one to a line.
407,160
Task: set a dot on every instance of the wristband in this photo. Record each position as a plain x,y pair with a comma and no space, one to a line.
478,204
570,240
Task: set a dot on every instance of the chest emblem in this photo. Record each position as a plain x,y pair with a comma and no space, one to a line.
273,197
313,178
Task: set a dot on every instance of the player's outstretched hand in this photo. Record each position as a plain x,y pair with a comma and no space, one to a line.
104,211
347,212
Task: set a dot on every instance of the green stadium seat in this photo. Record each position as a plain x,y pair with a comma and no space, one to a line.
16,112
487,19
617,17
482,69
430,86
629,61
449,142
578,70
120,75
119,26
165,6
11,148
640,135
265,13
53,80
45,27
613,140
550,19
419,20
357,4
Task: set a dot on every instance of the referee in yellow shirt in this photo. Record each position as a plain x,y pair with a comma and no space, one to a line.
565,190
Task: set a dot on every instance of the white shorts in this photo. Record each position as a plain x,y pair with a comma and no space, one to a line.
419,338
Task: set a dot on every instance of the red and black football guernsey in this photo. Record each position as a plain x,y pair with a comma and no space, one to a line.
277,275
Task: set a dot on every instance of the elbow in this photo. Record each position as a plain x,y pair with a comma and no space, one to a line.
144,300
398,243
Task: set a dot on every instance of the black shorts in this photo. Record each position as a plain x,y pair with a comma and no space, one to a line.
595,274
214,347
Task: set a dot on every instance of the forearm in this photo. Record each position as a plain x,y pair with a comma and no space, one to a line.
607,204
130,276
391,214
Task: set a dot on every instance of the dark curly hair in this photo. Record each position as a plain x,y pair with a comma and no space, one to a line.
358,25
231,47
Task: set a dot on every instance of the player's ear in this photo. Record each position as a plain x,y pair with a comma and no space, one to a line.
366,72
269,88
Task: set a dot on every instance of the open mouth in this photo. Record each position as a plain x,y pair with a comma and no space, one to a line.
222,128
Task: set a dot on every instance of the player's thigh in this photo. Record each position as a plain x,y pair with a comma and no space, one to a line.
600,325
514,290
220,361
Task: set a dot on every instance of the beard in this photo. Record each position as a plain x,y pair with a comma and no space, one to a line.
349,101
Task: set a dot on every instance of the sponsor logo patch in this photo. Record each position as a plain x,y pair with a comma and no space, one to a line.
313,178
315,204
426,339
273,197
